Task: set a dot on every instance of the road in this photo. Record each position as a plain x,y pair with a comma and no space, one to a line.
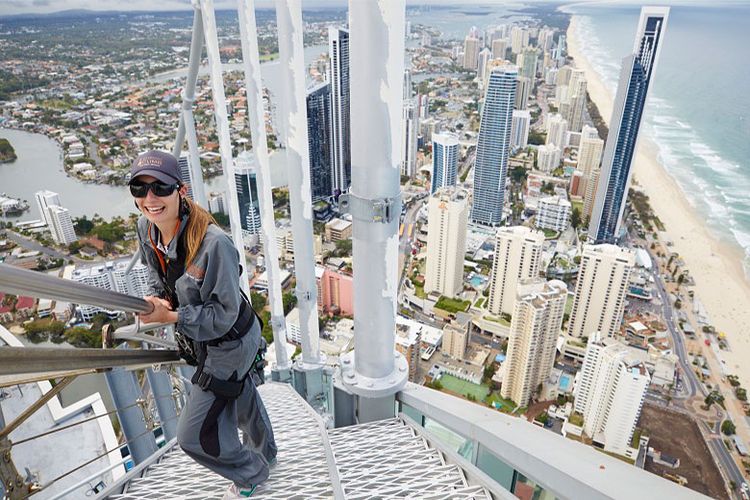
32,244
404,246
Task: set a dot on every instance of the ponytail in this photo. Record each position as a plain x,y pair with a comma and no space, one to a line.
198,221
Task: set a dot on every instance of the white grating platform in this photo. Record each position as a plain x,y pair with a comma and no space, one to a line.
387,459
302,471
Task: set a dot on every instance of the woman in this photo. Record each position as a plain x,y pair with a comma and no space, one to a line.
193,269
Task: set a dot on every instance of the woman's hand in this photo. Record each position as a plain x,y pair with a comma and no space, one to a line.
162,312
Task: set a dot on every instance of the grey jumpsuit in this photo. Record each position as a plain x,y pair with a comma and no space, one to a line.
209,303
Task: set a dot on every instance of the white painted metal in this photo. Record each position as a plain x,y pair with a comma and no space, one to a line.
222,130
294,130
376,74
187,122
253,91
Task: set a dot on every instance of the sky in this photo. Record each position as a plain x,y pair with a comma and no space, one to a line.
10,7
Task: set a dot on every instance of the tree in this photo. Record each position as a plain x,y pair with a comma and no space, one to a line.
257,300
344,247
489,371
82,225
575,218
221,219
518,174
728,427
289,300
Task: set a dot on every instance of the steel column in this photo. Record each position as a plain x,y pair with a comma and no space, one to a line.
161,388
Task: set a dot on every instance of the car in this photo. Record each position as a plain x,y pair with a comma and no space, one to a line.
744,488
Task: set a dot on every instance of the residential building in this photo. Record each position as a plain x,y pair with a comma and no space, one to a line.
247,193
548,157
534,329
336,292
485,56
455,340
410,128
338,76
471,53
518,256
446,241
186,176
519,129
601,287
557,129
408,343
338,229
61,225
112,276
444,160
609,394
217,203
45,199
576,110
554,213
527,61
319,128
493,146
523,91
635,80
499,48
519,39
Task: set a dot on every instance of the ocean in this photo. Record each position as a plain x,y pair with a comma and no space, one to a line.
698,113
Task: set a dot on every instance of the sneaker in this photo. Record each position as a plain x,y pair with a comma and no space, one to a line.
234,492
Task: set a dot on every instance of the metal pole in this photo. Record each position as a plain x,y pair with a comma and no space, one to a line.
253,92
125,393
161,388
294,128
222,130
375,370
43,286
187,122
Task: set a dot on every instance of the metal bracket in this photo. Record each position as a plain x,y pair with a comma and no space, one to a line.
367,210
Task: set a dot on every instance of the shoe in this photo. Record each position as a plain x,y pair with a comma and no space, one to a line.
234,492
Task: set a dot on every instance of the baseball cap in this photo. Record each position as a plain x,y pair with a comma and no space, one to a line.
159,164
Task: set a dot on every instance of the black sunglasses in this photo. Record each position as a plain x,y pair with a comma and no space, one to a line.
140,189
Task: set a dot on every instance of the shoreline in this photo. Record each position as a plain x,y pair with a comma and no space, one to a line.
716,266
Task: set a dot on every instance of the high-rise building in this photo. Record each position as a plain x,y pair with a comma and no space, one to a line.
519,130
483,65
493,146
407,84
518,256
519,39
589,155
61,225
455,340
590,193
548,157
410,129
600,290
527,61
546,39
217,203
423,106
44,200
446,241
557,130
471,53
523,91
319,127
247,193
499,48
635,80
553,213
112,276
610,393
576,108
534,329
338,76
444,160
185,176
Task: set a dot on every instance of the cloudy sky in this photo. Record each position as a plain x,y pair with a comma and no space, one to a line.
9,7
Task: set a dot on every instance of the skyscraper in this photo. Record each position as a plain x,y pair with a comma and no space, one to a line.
499,48
519,131
471,53
444,160
526,61
493,146
576,101
407,84
319,126
247,193
338,76
534,329
410,129
44,200
61,225
635,80
446,241
184,164
600,290
610,393
485,56
519,39
557,130
523,91
518,256
455,340
589,156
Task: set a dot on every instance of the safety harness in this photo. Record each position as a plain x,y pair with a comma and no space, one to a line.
195,353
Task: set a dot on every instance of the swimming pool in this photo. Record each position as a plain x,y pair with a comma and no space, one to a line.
477,280
564,382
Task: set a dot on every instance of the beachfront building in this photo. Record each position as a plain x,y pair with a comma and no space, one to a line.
635,80
600,290
61,225
44,200
554,213
518,256
446,241
534,329
338,76
519,129
575,108
319,127
493,146
444,160
610,393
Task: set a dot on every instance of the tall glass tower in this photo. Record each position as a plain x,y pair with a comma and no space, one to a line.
635,80
493,146
247,193
319,140
338,75
444,160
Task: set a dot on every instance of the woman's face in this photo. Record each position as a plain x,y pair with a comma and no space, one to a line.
159,209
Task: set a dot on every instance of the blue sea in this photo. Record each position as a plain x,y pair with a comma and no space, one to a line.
699,111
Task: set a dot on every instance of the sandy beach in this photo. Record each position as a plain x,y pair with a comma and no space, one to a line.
720,282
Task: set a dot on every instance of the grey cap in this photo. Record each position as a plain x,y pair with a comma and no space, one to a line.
159,164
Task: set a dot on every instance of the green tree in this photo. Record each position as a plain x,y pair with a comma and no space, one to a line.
489,371
289,300
221,219
257,300
344,247
575,218
728,427
82,225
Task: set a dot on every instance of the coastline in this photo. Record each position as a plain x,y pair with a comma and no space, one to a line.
716,266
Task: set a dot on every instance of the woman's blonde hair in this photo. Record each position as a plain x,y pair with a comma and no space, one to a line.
197,225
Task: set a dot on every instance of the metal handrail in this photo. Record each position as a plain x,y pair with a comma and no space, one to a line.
44,286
